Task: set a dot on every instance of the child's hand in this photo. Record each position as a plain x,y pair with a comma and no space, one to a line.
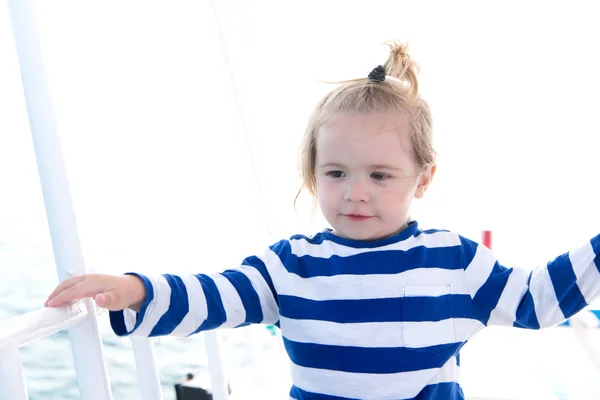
114,293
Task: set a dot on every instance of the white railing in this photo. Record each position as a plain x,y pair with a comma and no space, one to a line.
81,318
23,329
26,328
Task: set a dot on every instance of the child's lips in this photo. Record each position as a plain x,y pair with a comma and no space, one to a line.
357,217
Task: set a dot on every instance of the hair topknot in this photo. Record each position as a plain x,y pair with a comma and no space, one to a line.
399,65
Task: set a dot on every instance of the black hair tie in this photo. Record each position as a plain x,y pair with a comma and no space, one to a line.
378,74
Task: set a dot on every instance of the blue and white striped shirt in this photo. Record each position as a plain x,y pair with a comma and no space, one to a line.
371,320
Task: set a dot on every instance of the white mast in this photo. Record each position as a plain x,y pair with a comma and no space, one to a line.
86,345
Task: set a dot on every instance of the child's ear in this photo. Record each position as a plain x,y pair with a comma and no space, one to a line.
424,180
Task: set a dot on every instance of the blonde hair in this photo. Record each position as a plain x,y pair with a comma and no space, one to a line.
364,95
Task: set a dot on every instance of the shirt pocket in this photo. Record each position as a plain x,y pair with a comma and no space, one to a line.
427,324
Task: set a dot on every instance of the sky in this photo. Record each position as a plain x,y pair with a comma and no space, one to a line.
180,130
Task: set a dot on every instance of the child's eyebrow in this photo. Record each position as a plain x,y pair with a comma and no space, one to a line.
383,166
332,165
374,166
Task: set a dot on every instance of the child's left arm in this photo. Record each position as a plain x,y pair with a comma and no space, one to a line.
546,296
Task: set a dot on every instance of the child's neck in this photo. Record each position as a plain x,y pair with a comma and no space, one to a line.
397,231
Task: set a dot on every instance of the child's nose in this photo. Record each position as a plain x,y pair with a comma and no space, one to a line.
356,192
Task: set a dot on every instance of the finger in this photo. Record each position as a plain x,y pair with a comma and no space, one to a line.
64,285
109,300
75,292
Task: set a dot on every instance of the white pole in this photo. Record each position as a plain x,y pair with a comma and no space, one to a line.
86,345
218,384
211,338
147,371
12,383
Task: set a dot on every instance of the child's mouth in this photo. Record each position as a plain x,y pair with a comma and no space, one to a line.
357,217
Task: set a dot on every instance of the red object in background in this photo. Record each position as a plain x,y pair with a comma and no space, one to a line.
486,238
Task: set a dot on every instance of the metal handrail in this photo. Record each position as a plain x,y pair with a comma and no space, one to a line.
25,328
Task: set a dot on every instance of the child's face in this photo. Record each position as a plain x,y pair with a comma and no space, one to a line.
366,175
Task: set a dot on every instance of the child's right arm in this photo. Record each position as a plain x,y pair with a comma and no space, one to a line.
181,305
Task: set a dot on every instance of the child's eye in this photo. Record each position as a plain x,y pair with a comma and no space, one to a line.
379,176
335,174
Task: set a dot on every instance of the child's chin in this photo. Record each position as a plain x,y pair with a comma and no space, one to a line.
361,235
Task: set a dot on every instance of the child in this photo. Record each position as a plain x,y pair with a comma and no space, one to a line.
374,308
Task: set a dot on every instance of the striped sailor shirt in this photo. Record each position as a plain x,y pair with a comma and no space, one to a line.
384,319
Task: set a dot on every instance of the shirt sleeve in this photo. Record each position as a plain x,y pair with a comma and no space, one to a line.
181,305
546,296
